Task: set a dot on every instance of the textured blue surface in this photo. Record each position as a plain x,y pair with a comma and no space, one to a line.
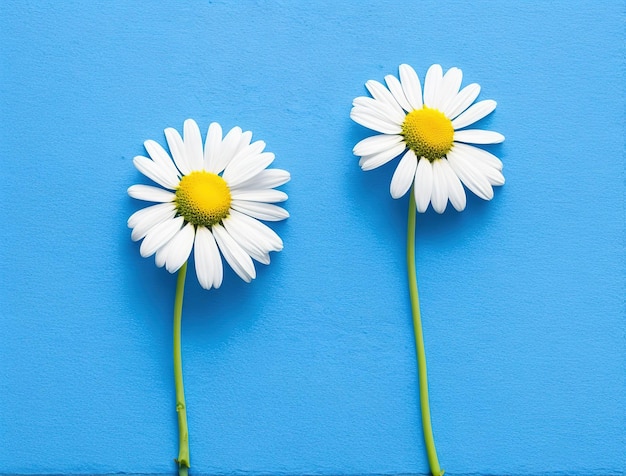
310,369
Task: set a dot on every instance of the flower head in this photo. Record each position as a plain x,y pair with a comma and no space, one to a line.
211,199
428,130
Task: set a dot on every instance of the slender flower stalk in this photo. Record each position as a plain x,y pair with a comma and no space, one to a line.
181,408
419,342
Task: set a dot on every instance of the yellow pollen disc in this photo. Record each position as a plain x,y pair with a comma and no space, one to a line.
203,198
428,132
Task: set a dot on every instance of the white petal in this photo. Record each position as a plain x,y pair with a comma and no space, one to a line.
227,150
382,94
180,248
262,211
486,157
241,169
404,175
432,83
471,177
439,194
150,194
474,113
255,246
156,172
494,176
161,254
379,109
370,162
477,136
268,178
449,87
455,188
234,254
143,220
375,144
266,237
263,234
177,148
267,195
244,147
207,258
140,215
374,122
161,157
244,141
396,89
423,184
411,86
212,147
240,149
482,161
159,235
193,144
462,101
245,153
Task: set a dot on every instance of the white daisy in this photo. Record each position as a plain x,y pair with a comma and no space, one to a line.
212,200
428,131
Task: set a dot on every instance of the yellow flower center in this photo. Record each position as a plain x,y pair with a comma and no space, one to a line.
428,132
203,198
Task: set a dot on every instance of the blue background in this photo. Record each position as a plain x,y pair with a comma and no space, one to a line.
310,369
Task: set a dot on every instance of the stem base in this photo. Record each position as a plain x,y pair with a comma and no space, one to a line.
181,408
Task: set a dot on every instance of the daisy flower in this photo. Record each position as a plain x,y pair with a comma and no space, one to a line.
428,130
210,199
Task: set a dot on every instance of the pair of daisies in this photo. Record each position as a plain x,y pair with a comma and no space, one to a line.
212,196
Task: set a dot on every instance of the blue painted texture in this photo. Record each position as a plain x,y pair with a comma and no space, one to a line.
310,369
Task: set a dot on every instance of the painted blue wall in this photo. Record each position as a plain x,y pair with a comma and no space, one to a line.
310,369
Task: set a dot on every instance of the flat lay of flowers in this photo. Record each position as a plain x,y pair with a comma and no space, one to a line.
211,200
427,128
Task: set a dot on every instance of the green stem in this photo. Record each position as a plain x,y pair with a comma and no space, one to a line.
419,342
181,408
